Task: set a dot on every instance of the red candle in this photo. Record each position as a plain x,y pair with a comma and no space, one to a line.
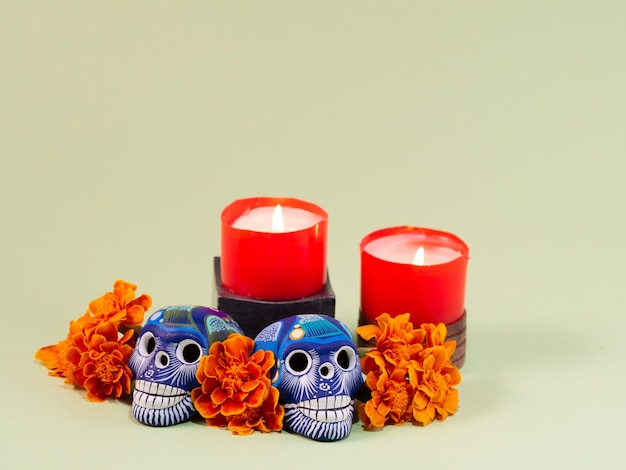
274,248
415,270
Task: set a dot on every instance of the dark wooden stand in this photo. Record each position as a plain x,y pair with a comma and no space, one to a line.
253,315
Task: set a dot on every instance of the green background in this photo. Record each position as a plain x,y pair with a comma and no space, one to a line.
126,127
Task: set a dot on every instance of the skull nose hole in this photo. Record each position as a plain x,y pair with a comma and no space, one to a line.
326,370
162,360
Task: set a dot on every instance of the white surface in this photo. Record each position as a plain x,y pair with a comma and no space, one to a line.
276,219
126,128
408,248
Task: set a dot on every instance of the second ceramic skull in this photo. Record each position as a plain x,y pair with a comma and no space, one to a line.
317,373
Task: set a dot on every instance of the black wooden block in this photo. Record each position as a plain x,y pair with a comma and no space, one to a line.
253,315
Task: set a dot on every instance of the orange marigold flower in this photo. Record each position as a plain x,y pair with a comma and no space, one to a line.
235,388
120,306
435,397
390,402
54,356
99,363
409,373
266,418
395,338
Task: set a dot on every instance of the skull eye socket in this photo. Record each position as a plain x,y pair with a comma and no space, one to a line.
188,351
346,358
298,362
161,360
147,344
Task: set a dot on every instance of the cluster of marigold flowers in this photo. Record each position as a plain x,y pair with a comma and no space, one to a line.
409,373
94,354
235,389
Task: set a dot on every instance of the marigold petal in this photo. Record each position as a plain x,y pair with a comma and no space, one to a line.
73,356
109,347
372,381
238,396
257,396
94,389
454,375
124,291
103,306
134,315
218,396
374,418
79,324
428,363
215,350
368,332
217,420
208,385
196,393
450,348
451,401
230,408
273,413
47,354
440,357
398,375
89,369
116,374
443,331
250,385
375,360
204,405
237,345
144,301
420,400
239,429
267,363
108,330
210,363
421,417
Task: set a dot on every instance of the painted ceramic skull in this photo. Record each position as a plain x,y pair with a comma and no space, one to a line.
166,357
317,372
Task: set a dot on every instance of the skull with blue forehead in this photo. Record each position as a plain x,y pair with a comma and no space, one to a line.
317,372
166,358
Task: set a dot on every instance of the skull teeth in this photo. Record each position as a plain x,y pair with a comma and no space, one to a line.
327,409
154,388
156,396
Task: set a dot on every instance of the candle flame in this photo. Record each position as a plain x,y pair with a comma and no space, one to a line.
419,257
277,220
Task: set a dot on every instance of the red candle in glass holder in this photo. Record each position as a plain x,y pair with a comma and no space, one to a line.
416,270
273,248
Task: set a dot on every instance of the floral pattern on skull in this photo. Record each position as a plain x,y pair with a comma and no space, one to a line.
317,372
166,357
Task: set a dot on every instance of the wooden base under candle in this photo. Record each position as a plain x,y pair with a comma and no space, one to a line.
456,332
253,315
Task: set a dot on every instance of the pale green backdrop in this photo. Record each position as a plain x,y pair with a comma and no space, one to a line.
126,127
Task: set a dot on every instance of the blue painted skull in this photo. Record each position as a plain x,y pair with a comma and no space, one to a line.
165,360
317,372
